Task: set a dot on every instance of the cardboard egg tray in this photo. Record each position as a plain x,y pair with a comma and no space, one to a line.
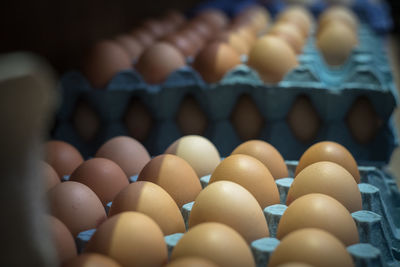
378,222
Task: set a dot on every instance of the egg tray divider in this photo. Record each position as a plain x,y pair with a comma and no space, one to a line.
331,91
378,223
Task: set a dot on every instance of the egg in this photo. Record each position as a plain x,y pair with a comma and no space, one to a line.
201,28
85,121
250,173
103,176
197,40
272,58
363,121
131,239
182,43
299,16
62,156
50,176
245,33
290,34
62,238
152,200
144,36
91,259
198,151
131,45
319,211
303,119
336,52
191,118
158,61
235,41
155,27
215,242
231,204
77,206
265,153
314,247
246,119
174,175
216,18
329,151
338,13
258,16
105,59
175,16
127,152
327,178
191,262
138,120
215,60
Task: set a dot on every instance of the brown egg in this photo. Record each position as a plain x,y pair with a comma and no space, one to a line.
128,153
62,238
336,42
299,16
194,38
191,118
319,211
246,119
327,178
231,204
131,239
272,58
313,246
265,153
155,27
258,16
216,18
144,36
202,28
215,242
50,176
175,16
198,151
191,262
103,176
77,206
290,33
329,151
174,175
131,45
91,260
235,41
138,120
158,61
86,121
215,60
63,157
250,173
338,13
105,59
152,200
363,121
245,33
182,43
303,119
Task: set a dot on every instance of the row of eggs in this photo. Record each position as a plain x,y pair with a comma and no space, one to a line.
160,45
240,187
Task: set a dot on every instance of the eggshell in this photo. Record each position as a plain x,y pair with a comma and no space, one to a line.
128,153
313,246
216,18
63,157
152,200
330,179
299,16
144,36
259,17
103,176
131,239
290,34
193,37
174,175
319,211
215,242
231,204
245,33
50,176
202,28
235,41
77,206
158,61
250,173
105,59
62,239
336,52
91,260
329,151
338,13
215,60
131,45
175,16
191,262
265,153
182,43
272,58
86,121
191,118
198,151
155,27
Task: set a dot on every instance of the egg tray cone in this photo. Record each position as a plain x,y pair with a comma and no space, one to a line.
378,222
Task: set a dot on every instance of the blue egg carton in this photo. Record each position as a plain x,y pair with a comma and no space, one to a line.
378,222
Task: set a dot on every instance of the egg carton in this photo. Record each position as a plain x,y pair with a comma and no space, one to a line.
378,223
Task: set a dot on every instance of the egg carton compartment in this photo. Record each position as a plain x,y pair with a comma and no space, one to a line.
377,223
